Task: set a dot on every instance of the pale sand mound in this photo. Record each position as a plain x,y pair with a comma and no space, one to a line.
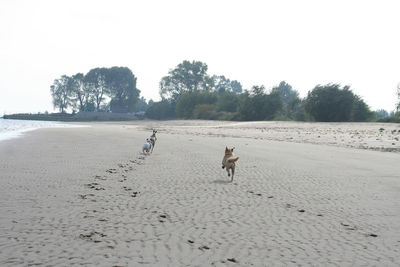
87,196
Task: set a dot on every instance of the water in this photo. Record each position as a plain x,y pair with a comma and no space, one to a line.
15,128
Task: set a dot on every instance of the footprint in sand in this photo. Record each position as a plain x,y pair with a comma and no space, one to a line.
111,171
85,196
348,227
134,194
98,177
162,217
95,186
257,194
92,236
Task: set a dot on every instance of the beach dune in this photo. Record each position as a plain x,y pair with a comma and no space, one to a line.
303,194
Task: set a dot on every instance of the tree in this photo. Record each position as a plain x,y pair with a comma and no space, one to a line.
121,85
141,105
381,113
361,111
96,80
205,112
224,85
228,102
286,92
160,110
330,103
258,105
186,77
188,101
290,99
61,92
80,92
236,87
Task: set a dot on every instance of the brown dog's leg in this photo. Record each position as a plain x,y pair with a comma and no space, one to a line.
233,172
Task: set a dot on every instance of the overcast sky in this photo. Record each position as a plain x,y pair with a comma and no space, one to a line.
305,43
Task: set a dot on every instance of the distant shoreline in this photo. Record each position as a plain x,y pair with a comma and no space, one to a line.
109,116
78,117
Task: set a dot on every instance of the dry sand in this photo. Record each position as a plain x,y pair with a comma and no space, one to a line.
304,194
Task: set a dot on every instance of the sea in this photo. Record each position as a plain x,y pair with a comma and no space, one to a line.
16,128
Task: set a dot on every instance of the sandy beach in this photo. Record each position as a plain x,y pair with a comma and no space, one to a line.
304,194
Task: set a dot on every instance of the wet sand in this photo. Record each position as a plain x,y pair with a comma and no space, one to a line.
309,194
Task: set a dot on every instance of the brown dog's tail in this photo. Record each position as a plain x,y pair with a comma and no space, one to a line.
233,159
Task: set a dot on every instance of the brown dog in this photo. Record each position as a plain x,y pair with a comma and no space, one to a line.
228,161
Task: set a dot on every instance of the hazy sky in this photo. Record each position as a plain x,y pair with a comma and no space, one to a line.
305,43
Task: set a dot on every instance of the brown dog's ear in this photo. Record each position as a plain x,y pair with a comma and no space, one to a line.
226,148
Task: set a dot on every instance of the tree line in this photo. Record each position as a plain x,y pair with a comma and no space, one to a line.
189,92
101,89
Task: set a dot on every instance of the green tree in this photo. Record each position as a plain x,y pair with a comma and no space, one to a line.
228,102
286,92
205,112
290,99
224,85
298,113
160,110
121,86
381,113
96,81
258,105
330,103
141,105
361,111
80,92
187,102
61,92
186,77
236,87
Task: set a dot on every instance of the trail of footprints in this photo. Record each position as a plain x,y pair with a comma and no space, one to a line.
95,236
123,169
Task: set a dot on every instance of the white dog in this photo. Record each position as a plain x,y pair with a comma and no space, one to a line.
147,146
